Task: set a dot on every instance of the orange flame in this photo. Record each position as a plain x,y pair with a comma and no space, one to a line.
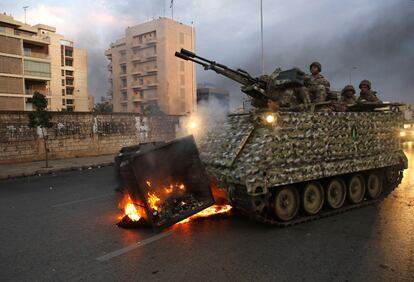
153,200
213,210
129,208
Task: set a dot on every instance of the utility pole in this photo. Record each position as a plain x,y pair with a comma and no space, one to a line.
261,35
172,9
25,8
350,74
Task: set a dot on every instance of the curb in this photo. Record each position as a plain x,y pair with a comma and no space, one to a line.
57,170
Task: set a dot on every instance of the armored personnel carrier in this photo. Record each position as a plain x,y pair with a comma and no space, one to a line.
297,164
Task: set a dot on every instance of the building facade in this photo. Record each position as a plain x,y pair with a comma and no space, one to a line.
212,97
36,58
144,73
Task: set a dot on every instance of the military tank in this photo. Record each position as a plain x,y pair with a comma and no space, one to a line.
297,164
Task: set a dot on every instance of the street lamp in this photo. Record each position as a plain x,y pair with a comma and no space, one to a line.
25,8
350,74
261,34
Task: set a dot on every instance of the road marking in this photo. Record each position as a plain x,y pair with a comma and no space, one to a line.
134,246
82,200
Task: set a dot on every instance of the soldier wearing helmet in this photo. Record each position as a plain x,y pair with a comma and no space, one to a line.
317,85
348,95
366,94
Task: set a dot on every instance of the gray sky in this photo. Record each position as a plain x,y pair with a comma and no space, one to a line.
375,36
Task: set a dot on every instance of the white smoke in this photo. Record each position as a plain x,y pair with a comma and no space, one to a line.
209,115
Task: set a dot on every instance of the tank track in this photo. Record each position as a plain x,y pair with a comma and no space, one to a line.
243,202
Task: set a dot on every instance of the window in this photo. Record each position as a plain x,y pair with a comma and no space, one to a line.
63,82
123,82
123,69
69,73
68,53
63,102
63,73
2,29
68,63
124,95
69,91
182,79
141,94
36,68
141,81
69,101
63,92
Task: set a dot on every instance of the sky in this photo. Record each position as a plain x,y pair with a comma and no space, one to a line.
353,40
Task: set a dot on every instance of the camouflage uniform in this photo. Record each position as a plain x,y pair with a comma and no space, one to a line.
346,98
369,96
318,86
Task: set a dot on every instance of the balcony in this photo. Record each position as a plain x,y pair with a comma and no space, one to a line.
33,91
37,74
151,41
37,55
32,37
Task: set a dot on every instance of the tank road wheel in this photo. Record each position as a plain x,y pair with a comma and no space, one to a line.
313,198
286,203
356,189
391,174
374,185
336,193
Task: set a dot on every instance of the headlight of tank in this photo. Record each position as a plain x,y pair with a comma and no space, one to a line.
269,119
403,134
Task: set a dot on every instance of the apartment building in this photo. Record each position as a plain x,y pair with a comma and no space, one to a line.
36,58
145,73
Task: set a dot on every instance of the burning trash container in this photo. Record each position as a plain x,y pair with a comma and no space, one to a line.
167,181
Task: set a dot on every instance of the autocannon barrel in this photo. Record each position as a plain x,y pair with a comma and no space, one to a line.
253,87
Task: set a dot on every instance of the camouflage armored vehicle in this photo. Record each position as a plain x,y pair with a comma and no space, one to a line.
296,164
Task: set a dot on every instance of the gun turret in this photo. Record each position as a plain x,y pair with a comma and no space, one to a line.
254,87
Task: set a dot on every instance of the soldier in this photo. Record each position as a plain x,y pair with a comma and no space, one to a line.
348,95
366,94
317,85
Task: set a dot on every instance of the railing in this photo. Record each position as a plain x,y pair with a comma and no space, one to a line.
37,73
32,91
29,53
34,37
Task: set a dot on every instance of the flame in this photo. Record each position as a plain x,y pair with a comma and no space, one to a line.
213,210
129,208
153,200
148,183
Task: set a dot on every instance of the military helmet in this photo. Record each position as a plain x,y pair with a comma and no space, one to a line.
317,64
365,82
348,88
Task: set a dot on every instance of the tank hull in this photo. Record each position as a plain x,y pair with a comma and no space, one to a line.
252,159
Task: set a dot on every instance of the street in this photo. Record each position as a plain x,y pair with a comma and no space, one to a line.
63,227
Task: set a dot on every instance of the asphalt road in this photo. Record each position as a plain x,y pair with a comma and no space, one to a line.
62,227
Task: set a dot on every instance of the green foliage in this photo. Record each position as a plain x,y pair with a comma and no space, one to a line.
40,117
152,109
102,108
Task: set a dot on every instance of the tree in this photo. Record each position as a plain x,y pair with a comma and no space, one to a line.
40,118
152,109
102,108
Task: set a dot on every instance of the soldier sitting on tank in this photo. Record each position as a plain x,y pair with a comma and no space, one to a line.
366,94
347,98
348,95
317,85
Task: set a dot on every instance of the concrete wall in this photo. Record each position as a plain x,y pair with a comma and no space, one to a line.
80,134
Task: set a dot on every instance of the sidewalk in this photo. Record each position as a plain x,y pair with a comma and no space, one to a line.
37,167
